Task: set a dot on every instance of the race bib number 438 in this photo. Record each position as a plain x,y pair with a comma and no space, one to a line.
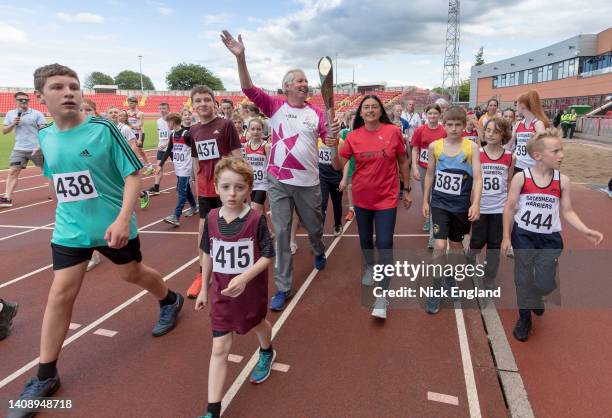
207,149
71,187
231,257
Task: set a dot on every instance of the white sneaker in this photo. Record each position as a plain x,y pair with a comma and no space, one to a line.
380,308
293,247
94,261
148,170
510,252
368,276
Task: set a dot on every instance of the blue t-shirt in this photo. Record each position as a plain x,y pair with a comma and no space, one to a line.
88,165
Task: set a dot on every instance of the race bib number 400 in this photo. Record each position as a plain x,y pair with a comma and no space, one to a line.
449,183
71,187
232,257
207,149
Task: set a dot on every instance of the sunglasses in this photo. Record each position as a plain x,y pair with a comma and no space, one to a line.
23,100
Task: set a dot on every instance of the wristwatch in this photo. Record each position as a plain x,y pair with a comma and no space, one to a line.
408,189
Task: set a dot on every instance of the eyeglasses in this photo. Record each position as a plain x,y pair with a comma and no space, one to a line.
23,100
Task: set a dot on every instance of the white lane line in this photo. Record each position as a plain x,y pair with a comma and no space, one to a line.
440,397
234,358
105,332
93,325
280,367
23,178
356,235
466,359
36,228
25,276
74,326
24,226
170,232
2,212
244,374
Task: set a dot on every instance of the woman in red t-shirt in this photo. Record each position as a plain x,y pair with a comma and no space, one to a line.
378,148
422,137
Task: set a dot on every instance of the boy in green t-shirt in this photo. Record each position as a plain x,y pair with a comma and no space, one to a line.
97,180
347,172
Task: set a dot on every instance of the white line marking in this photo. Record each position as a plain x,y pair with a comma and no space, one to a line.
26,206
244,374
234,358
105,332
280,367
25,276
170,232
25,226
93,325
466,359
27,231
440,397
23,178
356,235
74,326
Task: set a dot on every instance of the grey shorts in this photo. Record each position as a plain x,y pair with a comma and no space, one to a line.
20,159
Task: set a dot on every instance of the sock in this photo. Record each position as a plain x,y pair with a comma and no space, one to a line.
169,299
215,409
156,187
47,370
266,350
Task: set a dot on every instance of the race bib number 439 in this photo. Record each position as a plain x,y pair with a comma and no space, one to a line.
71,187
231,257
207,149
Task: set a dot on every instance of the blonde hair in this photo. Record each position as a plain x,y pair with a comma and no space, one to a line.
531,100
238,166
537,141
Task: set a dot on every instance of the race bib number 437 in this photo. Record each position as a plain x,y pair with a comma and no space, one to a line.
207,149
231,257
71,187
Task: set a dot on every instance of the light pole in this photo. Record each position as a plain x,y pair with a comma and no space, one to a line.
141,83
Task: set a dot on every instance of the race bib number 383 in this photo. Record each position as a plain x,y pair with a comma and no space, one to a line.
449,183
231,257
207,149
72,187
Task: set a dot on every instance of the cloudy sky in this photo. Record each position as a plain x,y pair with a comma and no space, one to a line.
400,42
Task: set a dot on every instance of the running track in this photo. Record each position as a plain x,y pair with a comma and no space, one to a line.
340,362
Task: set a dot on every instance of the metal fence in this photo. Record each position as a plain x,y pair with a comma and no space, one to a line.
595,125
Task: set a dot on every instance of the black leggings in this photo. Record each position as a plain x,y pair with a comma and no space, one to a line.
331,188
487,230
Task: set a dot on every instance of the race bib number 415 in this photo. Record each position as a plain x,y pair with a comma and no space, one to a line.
71,187
231,257
207,149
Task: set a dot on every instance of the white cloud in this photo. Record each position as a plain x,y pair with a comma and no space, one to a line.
218,18
164,10
82,17
11,35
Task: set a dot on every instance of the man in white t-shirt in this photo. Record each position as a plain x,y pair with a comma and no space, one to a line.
26,122
413,118
293,165
163,134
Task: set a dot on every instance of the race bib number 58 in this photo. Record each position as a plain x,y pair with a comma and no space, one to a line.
207,149
71,187
231,257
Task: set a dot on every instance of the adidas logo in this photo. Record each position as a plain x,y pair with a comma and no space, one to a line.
85,153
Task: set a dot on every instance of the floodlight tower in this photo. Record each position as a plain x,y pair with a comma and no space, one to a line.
450,76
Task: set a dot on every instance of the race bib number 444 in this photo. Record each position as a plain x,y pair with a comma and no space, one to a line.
232,257
207,149
72,187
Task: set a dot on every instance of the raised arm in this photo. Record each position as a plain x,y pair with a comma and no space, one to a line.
236,47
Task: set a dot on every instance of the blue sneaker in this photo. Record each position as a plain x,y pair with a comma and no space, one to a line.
168,317
279,299
208,415
264,367
320,261
36,389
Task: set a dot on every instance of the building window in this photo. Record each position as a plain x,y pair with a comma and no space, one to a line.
540,75
571,71
512,79
529,77
560,70
495,82
549,73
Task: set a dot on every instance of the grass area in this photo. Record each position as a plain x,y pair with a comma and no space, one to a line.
7,141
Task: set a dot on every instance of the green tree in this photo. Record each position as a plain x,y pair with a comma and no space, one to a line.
464,90
479,59
130,80
184,76
97,78
440,90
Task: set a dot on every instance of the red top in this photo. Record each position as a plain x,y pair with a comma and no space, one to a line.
471,135
209,143
422,137
375,180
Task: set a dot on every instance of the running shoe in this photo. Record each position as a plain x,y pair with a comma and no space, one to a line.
320,261
510,252
196,286
168,317
94,261
279,299
264,367
380,308
145,200
5,203
154,190
208,415
430,243
172,220
522,328
293,247
8,312
36,389
192,211
337,231
148,170
426,225
350,215
368,276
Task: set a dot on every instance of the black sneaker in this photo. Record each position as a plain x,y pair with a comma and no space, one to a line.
5,203
154,191
168,317
522,328
36,389
9,310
